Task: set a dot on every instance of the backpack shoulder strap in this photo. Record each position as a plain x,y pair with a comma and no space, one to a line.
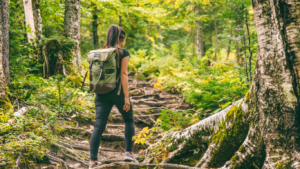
90,68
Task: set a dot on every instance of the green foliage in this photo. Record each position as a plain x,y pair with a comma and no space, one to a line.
177,120
29,135
55,98
161,38
208,88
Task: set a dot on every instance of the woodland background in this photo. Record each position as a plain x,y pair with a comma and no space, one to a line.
204,51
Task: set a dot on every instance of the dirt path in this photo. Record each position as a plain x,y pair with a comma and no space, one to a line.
147,104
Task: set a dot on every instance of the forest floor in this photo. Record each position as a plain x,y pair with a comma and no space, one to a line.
71,149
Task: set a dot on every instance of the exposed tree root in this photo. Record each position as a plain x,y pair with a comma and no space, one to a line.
74,146
207,157
247,152
123,165
77,124
140,120
106,137
56,159
296,160
210,124
71,154
172,155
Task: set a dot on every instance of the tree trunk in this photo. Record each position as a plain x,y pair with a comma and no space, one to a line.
229,43
216,36
5,35
29,19
95,27
199,40
237,42
37,19
245,55
249,48
38,27
262,129
5,103
72,30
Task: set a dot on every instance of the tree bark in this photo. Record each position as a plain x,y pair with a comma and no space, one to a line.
37,19
216,36
95,27
199,51
5,103
245,55
229,43
5,35
249,48
29,19
262,129
72,30
237,42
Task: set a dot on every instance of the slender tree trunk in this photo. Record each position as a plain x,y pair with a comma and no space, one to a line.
237,42
249,48
5,36
5,103
216,36
72,30
199,35
245,55
95,27
38,28
37,19
29,19
229,43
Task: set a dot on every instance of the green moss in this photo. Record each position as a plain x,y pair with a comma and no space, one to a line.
234,159
283,165
242,149
255,160
5,104
230,139
172,148
193,151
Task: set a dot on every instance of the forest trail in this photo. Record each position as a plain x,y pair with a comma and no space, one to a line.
147,103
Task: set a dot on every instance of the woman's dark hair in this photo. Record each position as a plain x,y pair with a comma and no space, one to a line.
114,34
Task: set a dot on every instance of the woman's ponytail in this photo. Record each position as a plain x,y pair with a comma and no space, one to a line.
114,34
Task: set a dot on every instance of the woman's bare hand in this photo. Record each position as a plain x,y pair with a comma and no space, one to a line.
126,107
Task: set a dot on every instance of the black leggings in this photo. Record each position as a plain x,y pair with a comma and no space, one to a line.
104,104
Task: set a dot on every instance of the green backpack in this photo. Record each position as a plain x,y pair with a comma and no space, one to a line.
103,71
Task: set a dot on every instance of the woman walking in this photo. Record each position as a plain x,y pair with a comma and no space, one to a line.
104,102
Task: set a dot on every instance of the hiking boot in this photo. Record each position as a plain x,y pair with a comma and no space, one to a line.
130,157
93,165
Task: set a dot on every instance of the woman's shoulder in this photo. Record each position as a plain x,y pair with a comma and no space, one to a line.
125,52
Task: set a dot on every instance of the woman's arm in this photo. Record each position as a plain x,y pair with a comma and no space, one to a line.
124,81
